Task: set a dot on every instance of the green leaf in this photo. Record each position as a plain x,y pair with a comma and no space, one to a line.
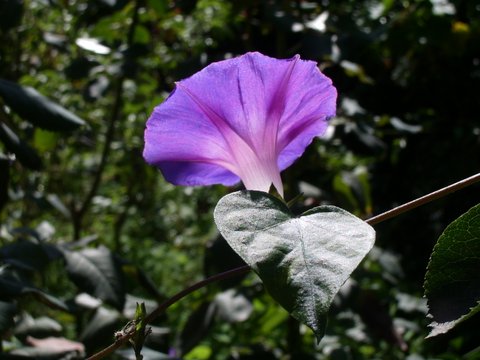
44,140
201,352
148,354
141,35
37,327
11,12
37,109
303,261
56,347
233,306
160,6
97,272
7,312
197,326
100,329
13,288
79,68
29,255
27,155
452,282
4,180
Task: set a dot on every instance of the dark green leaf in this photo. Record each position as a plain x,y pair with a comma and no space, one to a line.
96,272
7,312
27,155
4,180
56,40
39,327
14,288
37,109
452,282
361,139
10,13
100,329
220,257
58,345
303,261
80,68
96,88
349,190
57,203
233,306
50,348
148,354
404,127
29,255
46,299
147,284
197,326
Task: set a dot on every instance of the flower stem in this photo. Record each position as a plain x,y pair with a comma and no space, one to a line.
163,306
424,199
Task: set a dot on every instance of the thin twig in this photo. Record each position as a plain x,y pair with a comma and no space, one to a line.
424,199
114,116
163,306
82,210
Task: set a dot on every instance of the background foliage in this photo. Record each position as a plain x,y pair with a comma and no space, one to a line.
87,229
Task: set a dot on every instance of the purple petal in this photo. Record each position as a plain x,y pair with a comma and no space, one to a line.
185,145
247,117
311,102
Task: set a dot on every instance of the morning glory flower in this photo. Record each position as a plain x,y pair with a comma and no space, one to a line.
246,118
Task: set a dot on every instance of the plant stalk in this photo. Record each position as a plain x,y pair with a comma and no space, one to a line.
163,306
424,199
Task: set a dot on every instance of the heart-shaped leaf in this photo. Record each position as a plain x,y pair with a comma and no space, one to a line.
303,261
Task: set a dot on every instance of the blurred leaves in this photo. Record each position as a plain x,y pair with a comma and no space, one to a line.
100,328
37,109
79,68
14,287
4,178
28,254
7,312
197,326
57,345
98,273
27,155
39,327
